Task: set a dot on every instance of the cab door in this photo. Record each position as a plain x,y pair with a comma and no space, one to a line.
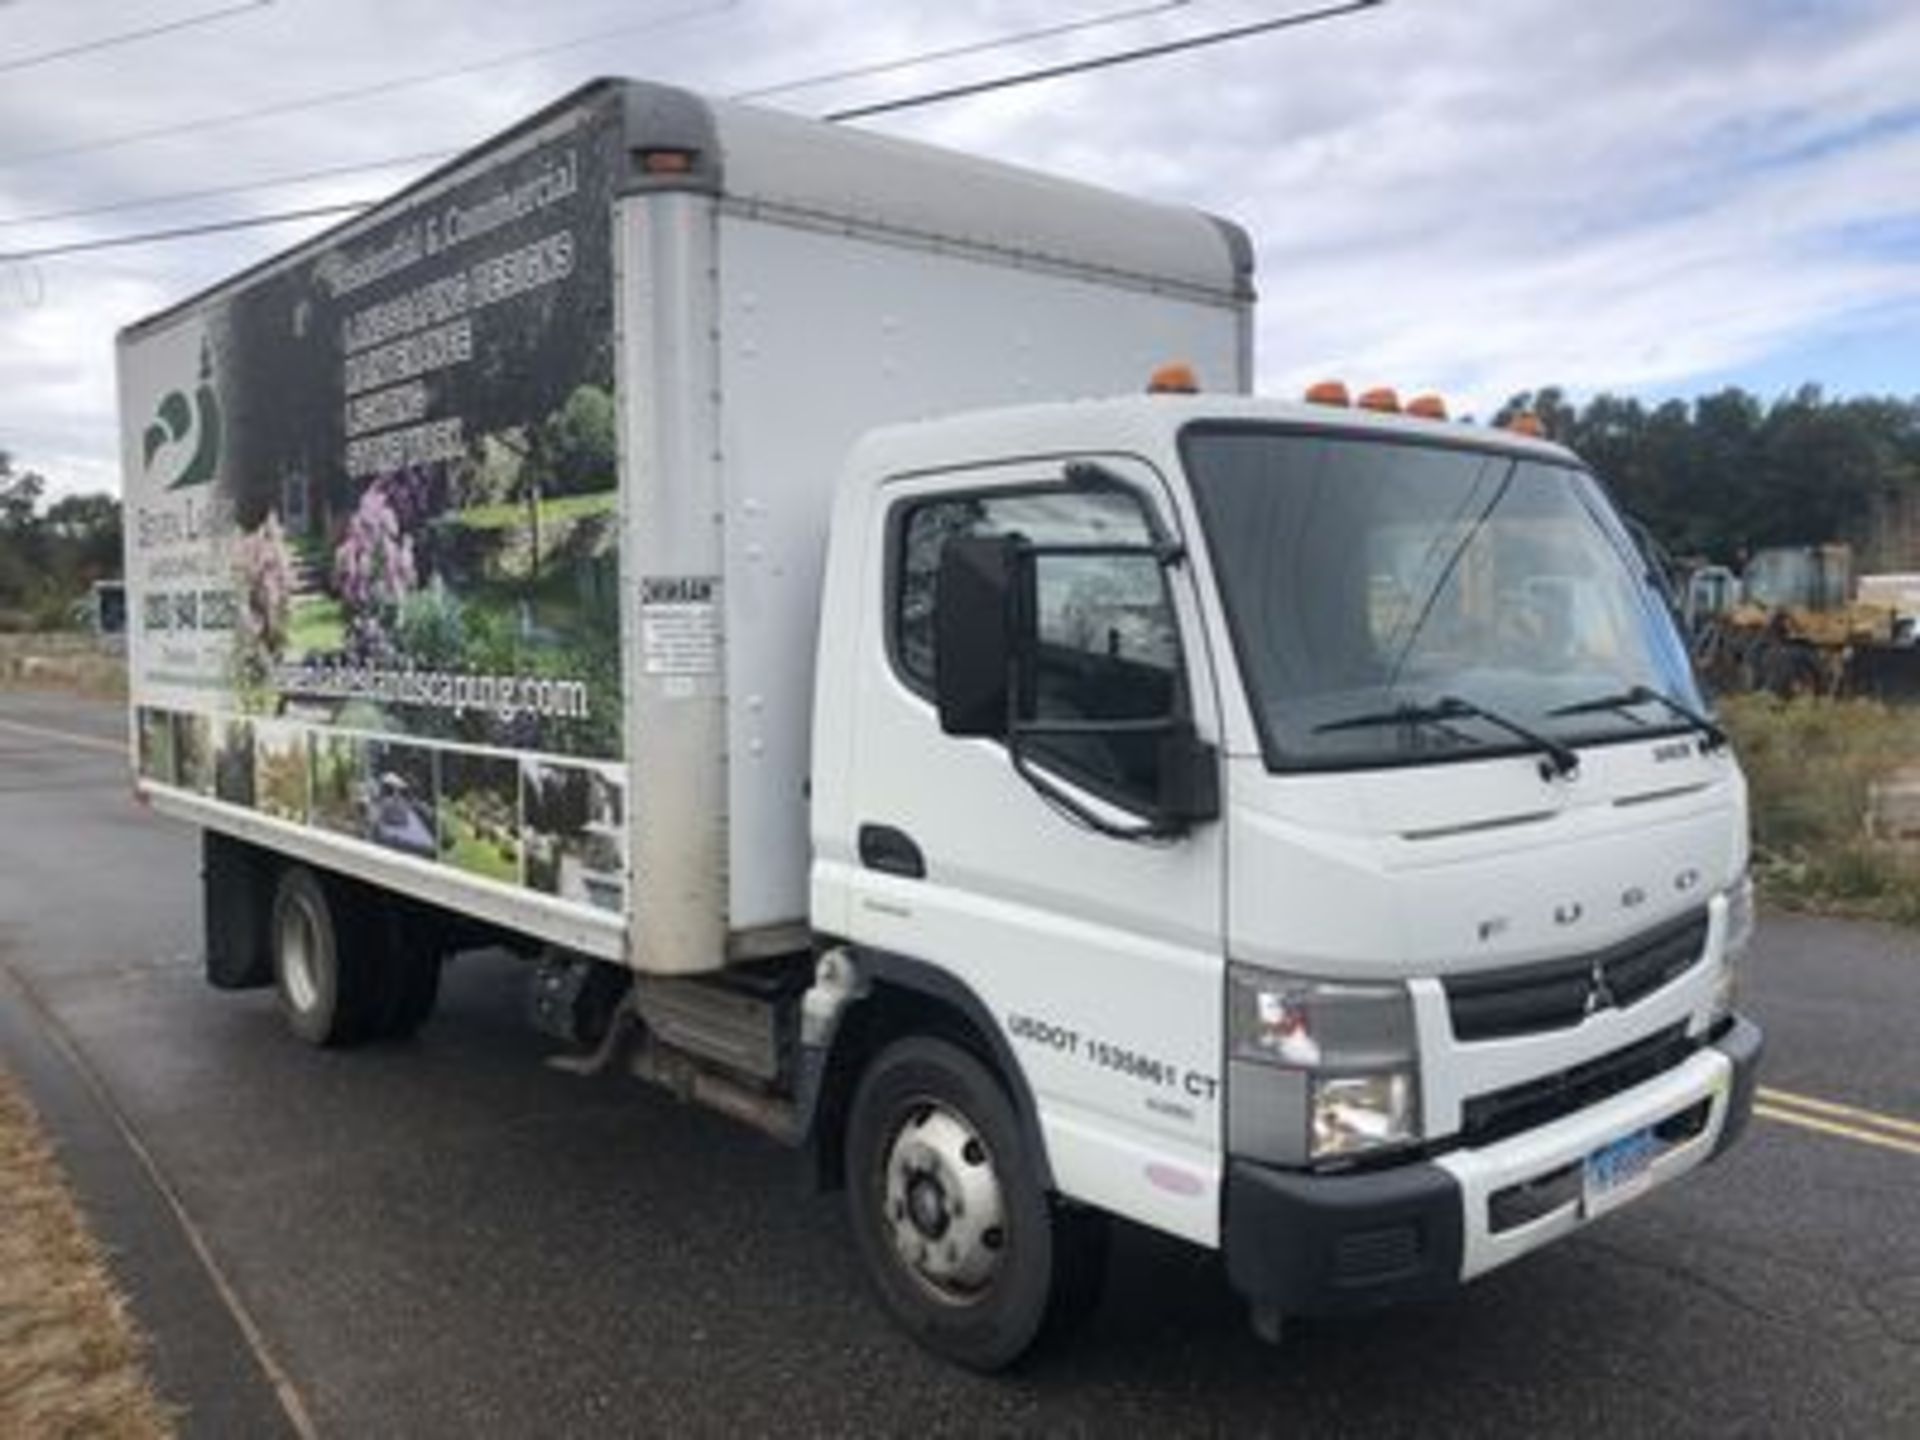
1099,957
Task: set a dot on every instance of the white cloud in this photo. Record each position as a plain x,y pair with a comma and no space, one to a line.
1478,198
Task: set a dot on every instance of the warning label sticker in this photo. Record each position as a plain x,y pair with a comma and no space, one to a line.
679,625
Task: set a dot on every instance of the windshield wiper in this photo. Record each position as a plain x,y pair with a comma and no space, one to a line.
1710,732
1560,760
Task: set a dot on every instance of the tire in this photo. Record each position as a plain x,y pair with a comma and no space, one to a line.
325,990
413,989
965,1247
407,978
236,896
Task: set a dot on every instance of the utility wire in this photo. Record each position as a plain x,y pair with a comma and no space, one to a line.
361,92
271,182
903,62
182,232
1104,62
956,52
130,37
1029,77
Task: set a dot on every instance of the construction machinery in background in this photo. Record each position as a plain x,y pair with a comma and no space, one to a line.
1797,621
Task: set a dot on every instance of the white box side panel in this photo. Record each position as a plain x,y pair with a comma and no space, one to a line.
824,336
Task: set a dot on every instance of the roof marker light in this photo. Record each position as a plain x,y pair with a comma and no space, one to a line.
1327,392
1427,407
1526,423
1380,398
1174,379
667,162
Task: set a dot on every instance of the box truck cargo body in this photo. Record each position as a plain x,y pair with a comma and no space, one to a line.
532,466
727,559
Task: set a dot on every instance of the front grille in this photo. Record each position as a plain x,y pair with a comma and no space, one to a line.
1499,1113
1559,994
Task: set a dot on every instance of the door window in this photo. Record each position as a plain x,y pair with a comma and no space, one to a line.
1108,641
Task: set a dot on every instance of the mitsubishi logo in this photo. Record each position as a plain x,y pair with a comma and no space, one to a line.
1600,994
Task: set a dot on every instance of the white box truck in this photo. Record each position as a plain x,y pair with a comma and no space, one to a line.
729,560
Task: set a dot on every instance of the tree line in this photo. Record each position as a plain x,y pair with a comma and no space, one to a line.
1715,478
51,553
1724,474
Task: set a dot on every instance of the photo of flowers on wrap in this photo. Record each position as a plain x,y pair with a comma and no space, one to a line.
420,462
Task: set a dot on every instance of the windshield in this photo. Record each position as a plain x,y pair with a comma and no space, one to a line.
1364,578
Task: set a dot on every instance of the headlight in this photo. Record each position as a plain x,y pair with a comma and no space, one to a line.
1733,949
1353,1114
1318,1070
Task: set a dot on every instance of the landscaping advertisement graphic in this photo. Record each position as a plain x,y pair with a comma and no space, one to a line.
374,524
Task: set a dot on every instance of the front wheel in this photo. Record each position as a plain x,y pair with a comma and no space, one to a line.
966,1248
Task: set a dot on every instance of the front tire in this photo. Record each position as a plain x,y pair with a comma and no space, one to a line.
968,1252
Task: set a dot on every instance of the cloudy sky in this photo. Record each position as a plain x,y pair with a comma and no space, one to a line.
1477,196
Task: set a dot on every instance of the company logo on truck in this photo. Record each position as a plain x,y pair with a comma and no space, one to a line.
186,427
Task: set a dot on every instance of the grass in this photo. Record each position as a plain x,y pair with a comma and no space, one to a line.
476,856
509,513
1810,766
69,662
318,625
70,1357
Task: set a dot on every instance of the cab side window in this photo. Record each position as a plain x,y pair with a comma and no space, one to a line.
1109,644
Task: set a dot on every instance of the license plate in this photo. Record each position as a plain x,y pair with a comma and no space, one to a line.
1617,1172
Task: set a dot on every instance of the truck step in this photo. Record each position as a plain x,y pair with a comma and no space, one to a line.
712,1022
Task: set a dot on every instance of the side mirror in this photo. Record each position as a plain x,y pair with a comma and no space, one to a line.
1189,779
973,634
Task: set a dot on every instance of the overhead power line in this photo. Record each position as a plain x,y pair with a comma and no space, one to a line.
362,92
182,232
882,67
131,37
244,187
1105,62
1029,77
957,52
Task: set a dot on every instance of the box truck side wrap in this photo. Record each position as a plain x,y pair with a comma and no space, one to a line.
375,531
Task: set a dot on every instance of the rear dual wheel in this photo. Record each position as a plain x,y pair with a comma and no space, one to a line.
348,966
959,1236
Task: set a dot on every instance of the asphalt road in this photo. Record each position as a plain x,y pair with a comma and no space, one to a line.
447,1238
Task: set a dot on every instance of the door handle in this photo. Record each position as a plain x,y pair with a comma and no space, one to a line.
891,852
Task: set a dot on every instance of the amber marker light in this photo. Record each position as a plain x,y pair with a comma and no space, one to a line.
1175,379
1527,423
666,162
1427,407
1327,392
1380,398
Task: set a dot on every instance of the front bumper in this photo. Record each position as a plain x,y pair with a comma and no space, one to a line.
1316,1244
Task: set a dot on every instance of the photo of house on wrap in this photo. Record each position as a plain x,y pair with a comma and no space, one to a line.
575,819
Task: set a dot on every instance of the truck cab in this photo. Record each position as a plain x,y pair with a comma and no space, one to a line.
1317,811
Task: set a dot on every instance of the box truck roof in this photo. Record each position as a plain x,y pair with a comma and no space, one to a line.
764,160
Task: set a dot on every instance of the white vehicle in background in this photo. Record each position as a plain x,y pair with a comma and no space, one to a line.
1291,827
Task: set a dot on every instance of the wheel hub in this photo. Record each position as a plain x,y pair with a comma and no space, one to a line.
927,1206
944,1204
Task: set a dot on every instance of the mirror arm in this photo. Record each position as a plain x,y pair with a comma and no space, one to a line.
1068,805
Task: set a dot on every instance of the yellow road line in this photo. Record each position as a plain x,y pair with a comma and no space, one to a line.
42,732
1844,1112
1833,1127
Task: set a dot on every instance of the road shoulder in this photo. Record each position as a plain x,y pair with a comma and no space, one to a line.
199,1357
